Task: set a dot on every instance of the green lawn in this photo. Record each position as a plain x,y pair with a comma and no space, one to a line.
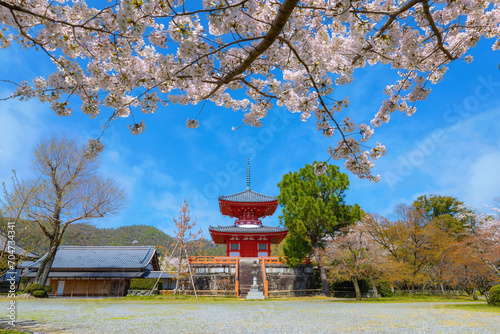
455,302
10,331
479,307
396,299
425,298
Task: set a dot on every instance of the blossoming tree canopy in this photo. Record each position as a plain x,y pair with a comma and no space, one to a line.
133,55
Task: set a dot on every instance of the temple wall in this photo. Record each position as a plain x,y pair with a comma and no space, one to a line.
281,277
215,277
221,277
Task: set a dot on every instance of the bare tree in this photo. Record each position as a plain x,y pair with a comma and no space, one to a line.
11,208
354,255
184,237
69,188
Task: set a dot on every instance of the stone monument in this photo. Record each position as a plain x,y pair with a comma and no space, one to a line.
254,293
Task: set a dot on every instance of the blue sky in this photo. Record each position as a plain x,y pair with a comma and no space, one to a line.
450,146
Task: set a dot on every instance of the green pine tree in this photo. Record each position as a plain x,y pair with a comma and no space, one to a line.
314,209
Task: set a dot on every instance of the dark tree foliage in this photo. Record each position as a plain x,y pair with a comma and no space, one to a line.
437,205
444,212
314,209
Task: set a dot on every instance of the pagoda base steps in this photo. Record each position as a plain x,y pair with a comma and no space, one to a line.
255,294
246,277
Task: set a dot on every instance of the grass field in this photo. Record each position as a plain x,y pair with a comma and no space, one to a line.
10,331
455,302
186,314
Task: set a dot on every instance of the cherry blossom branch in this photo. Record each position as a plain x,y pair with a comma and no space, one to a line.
435,30
209,11
272,34
390,20
323,105
255,88
16,8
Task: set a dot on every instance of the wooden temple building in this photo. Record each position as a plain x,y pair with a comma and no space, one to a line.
248,237
92,271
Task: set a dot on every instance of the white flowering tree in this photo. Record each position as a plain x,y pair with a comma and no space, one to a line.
130,56
353,254
483,243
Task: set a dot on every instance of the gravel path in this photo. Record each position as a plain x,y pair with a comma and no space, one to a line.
308,316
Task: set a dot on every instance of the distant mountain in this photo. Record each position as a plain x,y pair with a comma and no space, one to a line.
81,234
142,235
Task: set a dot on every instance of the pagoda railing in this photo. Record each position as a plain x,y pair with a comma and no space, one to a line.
213,259
234,259
279,260
273,259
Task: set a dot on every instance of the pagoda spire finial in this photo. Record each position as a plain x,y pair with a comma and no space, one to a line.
248,174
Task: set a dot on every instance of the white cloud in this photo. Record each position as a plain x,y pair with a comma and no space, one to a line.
484,181
23,123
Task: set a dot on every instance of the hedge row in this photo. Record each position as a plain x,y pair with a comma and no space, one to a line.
39,294
33,287
145,284
37,290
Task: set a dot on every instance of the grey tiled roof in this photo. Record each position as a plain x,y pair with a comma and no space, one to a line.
237,229
18,251
156,274
101,257
85,274
248,196
25,264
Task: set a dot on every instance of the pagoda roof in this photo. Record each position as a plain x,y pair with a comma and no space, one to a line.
248,196
220,233
248,230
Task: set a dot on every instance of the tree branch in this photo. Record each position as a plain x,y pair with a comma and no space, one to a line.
435,30
279,22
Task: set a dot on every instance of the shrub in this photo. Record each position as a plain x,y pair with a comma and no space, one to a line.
494,298
384,289
32,287
39,294
23,280
225,284
143,283
48,288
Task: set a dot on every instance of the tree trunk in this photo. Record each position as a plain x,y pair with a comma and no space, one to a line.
43,271
474,294
325,286
178,272
4,245
356,288
442,289
374,288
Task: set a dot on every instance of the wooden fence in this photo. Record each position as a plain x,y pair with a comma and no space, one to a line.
288,293
209,293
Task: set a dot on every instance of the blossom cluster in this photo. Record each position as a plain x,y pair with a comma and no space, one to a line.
135,55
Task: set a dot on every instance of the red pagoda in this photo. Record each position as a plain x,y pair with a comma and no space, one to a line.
248,237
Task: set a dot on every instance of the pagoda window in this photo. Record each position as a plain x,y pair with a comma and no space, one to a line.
235,246
262,246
